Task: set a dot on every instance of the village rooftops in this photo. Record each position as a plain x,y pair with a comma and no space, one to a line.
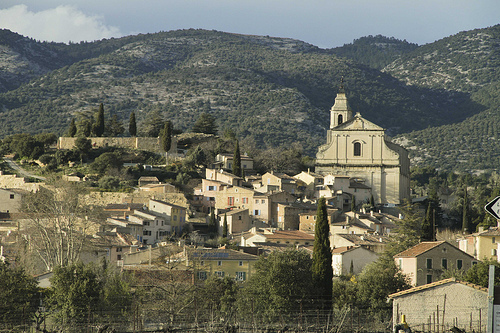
419,249
436,284
168,203
365,239
124,206
220,254
289,234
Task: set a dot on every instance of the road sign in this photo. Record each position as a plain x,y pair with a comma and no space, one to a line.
493,207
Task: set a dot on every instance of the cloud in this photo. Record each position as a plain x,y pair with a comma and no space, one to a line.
61,24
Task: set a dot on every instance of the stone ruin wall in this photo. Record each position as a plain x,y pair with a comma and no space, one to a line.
142,143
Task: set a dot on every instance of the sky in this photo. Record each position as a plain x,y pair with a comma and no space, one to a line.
324,23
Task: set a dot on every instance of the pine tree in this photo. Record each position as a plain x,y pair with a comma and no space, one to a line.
132,126
166,136
72,128
99,122
427,225
322,271
224,227
205,124
237,160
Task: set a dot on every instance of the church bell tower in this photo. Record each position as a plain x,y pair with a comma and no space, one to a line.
340,111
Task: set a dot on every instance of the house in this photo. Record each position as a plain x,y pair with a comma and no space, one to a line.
223,177
351,259
361,223
175,214
307,182
155,226
307,220
238,221
10,200
123,225
360,149
121,209
425,262
446,303
225,161
115,244
159,188
287,214
483,244
265,205
273,182
375,243
221,263
269,235
144,180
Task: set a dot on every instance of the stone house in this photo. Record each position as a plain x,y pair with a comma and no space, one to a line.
144,180
287,214
425,262
265,206
274,182
225,161
175,214
238,221
455,303
307,182
375,243
10,200
346,257
154,226
307,220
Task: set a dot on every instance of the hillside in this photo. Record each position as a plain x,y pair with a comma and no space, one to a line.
374,51
271,91
467,62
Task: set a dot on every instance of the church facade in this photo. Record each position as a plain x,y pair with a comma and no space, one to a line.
361,150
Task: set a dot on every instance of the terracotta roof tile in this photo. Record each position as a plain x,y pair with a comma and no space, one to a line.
419,249
290,234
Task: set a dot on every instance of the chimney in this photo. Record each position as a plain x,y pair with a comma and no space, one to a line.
371,213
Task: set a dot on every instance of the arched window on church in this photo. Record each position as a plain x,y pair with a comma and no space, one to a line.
340,119
357,149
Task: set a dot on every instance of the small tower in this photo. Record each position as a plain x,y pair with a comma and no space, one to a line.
340,111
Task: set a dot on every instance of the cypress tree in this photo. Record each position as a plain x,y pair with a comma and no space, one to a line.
465,213
72,128
212,227
224,227
353,204
427,225
237,160
322,272
132,126
166,136
99,122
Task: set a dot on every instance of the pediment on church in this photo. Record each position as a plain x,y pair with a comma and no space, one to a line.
359,123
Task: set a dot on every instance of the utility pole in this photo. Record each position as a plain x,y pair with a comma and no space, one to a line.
491,295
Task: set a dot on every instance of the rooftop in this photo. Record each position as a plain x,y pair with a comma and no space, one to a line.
419,249
436,284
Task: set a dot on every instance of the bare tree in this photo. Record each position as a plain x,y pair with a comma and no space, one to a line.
58,223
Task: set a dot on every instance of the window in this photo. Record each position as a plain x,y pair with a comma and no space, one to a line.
240,263
241,276
256,212
400,263
219,263
119,257
244,200
211,188
459,264
219,274
263,201
474,263
230,201
256,201
429,278
493,240
146,232
146,223
429,263
119,249
239,217
357,149
12,196
202,275
340,119
175,217
444,263
493,252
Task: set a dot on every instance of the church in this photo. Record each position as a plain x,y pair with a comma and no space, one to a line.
360,149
